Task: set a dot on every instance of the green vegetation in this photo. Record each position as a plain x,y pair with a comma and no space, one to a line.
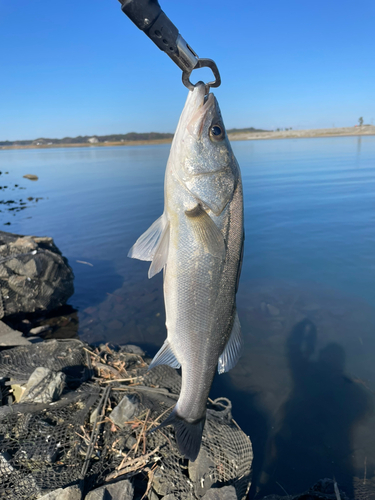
131,136
95,139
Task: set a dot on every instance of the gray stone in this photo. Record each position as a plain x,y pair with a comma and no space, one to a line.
169,497
93,416
152,495
162,484
122,490
8,336
34,274
69,493
132,349
125,410
39,329
225,493
44,386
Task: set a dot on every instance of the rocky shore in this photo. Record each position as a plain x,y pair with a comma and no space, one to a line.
76,419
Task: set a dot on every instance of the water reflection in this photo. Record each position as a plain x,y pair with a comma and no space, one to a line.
359,144
315,438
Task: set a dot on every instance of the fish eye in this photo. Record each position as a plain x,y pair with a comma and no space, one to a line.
216,132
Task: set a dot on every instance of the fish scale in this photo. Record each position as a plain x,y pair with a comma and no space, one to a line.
198,242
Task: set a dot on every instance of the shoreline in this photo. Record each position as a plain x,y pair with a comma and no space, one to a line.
365,130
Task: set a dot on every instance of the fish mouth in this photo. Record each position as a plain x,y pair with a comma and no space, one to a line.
197,121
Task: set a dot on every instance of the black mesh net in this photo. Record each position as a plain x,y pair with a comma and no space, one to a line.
82,437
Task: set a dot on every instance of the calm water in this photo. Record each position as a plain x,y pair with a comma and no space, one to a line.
304,388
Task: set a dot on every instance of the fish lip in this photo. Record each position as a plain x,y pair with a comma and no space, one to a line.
196,123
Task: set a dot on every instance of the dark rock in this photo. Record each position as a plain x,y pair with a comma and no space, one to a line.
33,274
202,473
8,336
122,490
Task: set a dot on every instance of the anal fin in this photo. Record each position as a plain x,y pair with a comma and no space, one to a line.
232,350
165,356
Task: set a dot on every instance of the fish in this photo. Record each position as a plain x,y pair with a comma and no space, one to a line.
198,242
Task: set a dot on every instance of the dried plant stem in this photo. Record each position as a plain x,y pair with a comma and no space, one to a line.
132,465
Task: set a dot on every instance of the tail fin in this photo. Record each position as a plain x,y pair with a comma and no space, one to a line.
188,435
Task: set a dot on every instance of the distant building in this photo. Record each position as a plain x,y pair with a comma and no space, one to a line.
93,140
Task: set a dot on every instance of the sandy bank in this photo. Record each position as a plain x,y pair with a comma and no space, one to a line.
297,134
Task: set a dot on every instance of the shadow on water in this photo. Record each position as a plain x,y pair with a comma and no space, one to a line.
314,438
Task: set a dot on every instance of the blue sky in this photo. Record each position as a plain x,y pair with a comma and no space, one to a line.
81,67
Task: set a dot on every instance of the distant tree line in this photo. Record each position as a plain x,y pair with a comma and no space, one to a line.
131,136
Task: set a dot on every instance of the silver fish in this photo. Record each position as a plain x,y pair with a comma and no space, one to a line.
198,241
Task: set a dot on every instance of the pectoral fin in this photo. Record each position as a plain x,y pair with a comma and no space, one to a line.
165,356
232,351
161,253
153,246
206,231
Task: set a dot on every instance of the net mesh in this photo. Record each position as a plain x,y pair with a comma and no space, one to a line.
77,439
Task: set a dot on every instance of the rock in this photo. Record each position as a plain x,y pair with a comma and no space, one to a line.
273,311
125,410
8,336
152,495
93,416
225,493
18,391
69,493
162,484
39,329
169,497
5,467
31,177
122,490
132,349
201,473
115,324
34,275
44,386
